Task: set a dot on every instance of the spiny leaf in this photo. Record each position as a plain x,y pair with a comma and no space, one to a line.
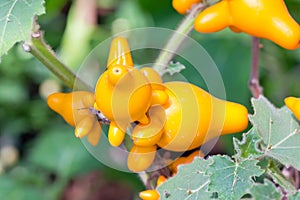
231,180
279,130
248,146
275,173
189,183
266,191
296,196
16,20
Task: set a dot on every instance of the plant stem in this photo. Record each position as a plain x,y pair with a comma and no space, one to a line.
279,178
296,178
185,27
292,173
39,49
254,86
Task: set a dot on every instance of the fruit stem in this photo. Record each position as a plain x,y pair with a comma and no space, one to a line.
39,49
178,37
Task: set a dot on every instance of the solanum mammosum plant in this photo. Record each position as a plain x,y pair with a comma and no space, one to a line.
157,107
148,111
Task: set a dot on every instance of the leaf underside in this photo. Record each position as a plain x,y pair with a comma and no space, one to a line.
16,21
266,191
232,179
279,130
189,183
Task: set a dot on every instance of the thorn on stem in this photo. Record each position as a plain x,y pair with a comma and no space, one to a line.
26,47
36,34
255,88
292,173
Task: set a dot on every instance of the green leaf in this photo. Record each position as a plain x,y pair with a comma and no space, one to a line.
296,196
189,183
275,173
12,189
266,191
231,180
16,21
26,182
248,146
279,130
58,150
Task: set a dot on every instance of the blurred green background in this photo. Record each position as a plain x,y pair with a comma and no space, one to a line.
39,156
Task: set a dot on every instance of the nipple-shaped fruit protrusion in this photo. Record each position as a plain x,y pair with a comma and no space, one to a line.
159,96
115,135
149,195
150,134
183,6
140,158
119,53
293,104
196,113
261,18
84,126
123,93
75,107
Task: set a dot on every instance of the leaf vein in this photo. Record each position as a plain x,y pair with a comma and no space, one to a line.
290,147
4,4
7,19
28,4
269,131
284,139
20,24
